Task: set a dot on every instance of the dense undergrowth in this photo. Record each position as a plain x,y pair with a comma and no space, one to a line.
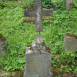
19,35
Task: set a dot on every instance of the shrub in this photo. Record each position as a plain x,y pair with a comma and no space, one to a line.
1,5
47,3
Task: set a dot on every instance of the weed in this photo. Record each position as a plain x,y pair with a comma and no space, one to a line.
66,62
1,5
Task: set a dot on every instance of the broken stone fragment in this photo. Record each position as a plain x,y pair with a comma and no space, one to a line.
38,65
38,46
39,39
33,44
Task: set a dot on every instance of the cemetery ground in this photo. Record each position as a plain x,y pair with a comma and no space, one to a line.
19,35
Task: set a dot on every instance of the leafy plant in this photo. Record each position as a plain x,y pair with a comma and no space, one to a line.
66,62
47,3
58,47
75,3
65,68
29,3
1,5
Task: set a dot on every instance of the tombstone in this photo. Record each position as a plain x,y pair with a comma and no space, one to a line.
38,12
38,59
70,42
38,55
69,4
3,44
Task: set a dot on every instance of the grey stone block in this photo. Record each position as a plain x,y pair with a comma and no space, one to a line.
30,12
38,65
38,12
47,12
70,42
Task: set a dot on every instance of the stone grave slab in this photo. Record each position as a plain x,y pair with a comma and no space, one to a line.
38,65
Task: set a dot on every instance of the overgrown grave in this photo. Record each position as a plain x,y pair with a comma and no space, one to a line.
38,55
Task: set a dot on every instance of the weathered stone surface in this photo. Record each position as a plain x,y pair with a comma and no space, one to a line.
38,55
38,15
38,59
30,12
38,65
70,42
38,12
39,39
47,12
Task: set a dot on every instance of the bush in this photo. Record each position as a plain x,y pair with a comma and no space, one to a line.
47,3
1,5
62,5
